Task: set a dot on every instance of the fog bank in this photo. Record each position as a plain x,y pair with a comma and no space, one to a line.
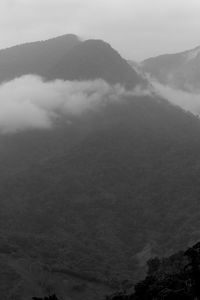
186,100
30,102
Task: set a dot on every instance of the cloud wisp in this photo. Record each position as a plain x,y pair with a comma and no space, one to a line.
186,100
30,102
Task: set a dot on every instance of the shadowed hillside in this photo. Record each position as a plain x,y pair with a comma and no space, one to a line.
102,203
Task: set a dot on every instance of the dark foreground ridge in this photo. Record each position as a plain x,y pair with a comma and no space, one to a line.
173,278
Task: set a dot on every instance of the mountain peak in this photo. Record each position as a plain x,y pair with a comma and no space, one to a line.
95,59
35,57
67,57
66,37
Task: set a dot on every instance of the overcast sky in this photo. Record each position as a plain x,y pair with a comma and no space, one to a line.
136,28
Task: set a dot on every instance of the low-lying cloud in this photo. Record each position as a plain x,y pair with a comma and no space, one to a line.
186,100
30,102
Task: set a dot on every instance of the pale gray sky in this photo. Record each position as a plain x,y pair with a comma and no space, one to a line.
136,28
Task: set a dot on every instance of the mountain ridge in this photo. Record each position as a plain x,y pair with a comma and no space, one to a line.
178,70
68,58
33,58
95,59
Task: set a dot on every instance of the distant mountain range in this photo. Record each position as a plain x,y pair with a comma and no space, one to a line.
85,204
180,70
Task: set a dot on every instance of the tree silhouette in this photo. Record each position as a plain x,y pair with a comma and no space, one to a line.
193,268
53,297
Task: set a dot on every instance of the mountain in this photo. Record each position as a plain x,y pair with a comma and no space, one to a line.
34,58
180,70
86,203
67,58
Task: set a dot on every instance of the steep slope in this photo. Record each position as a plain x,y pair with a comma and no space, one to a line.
34,58
180,70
